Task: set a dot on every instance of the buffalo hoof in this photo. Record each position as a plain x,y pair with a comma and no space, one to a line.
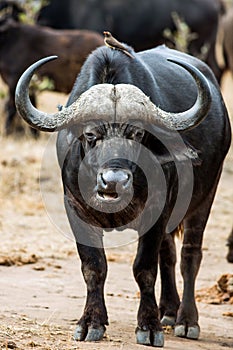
153,338
189,332
90,334
168,321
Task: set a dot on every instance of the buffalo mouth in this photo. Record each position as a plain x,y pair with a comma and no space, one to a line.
112,197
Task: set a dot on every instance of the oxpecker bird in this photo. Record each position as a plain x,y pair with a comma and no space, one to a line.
113,43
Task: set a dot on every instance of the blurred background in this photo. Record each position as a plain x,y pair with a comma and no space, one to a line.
71,29
36,258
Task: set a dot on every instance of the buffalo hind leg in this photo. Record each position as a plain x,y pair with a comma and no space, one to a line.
191,256
11,114
169,301
149,330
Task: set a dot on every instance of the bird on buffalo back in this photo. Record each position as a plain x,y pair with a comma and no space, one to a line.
113,43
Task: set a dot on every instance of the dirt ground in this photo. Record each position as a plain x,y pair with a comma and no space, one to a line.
42,291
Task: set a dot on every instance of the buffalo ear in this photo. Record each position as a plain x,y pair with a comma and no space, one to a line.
169,147
191,153
181,154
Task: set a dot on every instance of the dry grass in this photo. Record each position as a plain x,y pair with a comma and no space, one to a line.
21,333
221,292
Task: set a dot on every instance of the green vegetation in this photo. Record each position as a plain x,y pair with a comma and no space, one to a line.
32,7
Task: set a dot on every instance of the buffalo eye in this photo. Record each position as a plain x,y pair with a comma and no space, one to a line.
137,135
90,137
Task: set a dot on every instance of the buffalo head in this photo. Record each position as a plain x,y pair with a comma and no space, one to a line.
108,122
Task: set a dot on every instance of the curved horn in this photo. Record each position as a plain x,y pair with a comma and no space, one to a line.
193,116
86,107
22,101
134,104
121,101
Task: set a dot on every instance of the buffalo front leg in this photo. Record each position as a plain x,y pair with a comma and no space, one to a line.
91,326
149,330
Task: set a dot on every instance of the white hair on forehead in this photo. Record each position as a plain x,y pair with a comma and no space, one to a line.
113,103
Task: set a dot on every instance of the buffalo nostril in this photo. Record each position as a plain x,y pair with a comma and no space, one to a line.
126,182
104,182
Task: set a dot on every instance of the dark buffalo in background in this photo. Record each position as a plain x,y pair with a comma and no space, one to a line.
224,42
224,54
110,119
140,23
22,44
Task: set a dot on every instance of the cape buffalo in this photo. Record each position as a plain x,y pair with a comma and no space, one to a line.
141,145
